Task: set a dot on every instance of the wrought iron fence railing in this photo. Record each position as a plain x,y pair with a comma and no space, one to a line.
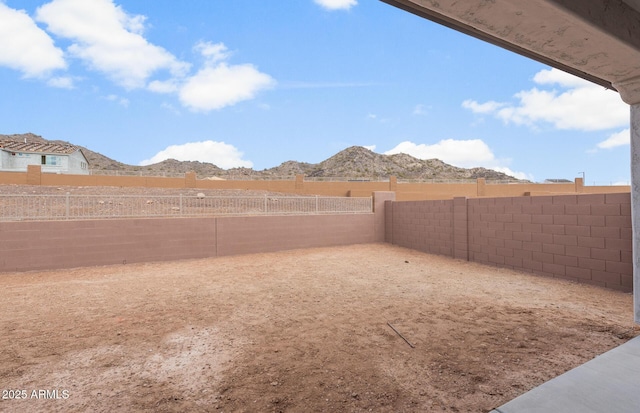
69,206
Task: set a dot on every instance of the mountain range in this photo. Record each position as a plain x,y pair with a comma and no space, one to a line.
355,162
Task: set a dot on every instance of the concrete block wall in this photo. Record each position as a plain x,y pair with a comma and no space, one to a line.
46,245
65,244
584,238
41,245
242,235
423,225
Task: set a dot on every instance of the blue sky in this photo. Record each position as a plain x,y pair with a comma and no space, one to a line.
257,83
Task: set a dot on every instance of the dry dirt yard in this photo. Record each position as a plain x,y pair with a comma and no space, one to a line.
297,331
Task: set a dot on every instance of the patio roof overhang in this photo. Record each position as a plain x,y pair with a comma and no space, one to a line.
598,40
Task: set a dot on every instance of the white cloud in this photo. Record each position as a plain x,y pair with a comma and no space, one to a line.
166,86
219,84
62,82
420,110
336,4
370,147
26,47
213,53
109,40
220,154
216,87
487,107
462,153
377,118
120,100
170,108
555,76
617,139
579,105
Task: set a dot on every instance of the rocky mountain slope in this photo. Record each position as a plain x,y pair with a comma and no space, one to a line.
355,162
359,162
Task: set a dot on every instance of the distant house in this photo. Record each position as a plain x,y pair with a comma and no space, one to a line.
53,158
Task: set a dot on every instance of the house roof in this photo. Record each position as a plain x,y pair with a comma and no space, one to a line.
38,147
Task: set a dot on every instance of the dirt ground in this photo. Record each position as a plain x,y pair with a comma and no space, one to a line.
297,331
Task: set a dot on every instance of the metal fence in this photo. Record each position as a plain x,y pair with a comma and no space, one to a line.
159,174
61,207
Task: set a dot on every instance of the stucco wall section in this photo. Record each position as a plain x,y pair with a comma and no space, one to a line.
379,205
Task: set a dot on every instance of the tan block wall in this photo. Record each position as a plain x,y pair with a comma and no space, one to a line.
64,244
34,175
118,181
274,186
388,221
46,245
13,178
421,191
424,225
49,245
460,229
405,191
584,238
343,188
242,235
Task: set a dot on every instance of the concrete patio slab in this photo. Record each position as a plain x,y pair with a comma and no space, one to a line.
608,383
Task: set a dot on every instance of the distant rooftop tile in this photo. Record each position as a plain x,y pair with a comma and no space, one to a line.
37,147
